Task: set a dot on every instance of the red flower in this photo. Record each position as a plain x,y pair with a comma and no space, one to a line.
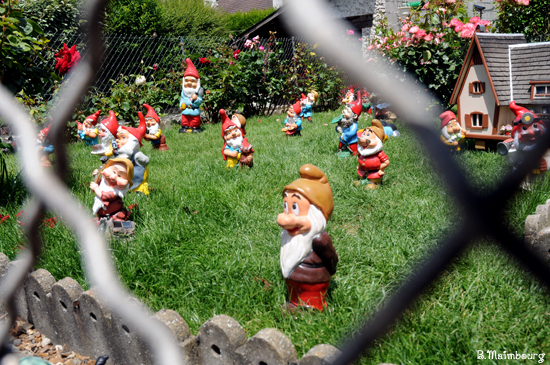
155,66
3,218
204,60
132,206
50,223
66,58
236,53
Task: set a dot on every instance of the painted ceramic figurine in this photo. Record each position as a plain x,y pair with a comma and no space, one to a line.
308,258
89,132
236,148
347,127
293,122
45,147
110,187
307,105
349,97
191,100
451,132
106,132
153,132
528,128
372,160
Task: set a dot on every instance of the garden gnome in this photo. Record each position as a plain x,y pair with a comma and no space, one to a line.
349,97
307,105
347,126
372,160
236,148
153,132
128,142
527,130
107,131
191,99
89,132
451,132
308,258
110,187
293,122
45,147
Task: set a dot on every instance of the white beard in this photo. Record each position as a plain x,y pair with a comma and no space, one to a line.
106,140
154,129
104,187
129,148
295,249
370,150
189,91
235,143
291,120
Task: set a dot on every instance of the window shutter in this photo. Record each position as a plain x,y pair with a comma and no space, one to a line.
471,86
485,121
482,87
468,120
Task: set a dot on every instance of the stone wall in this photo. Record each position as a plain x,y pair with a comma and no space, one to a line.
65,313
537,230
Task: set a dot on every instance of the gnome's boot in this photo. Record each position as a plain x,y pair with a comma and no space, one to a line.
162,145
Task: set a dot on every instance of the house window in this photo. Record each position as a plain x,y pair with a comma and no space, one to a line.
541,91
477,87
476,120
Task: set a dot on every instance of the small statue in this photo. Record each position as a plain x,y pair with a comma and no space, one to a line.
451,132
236,148
308,258
293,122
153,132
110,187
108,129
191,99
45,147
349,97
347,128
88,130
527,130
307,105
390,130
128,143
372,160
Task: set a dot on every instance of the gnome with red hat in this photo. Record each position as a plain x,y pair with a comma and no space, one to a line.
107,131
308,258
527,130
451,132
293,122
45,147
191,99
372,160
89,132
349,97
347,126
153,132
236,148
307,105
128,142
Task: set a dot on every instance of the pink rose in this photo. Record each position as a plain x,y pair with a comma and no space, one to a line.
450,1
470,26
350,32
428,37
370,47
261,48
467,33
485,23
414,29
421,33
459,28
426,6
454,22
405,28
474,19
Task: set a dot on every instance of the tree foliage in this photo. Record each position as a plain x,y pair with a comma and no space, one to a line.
532,20
135,17
53,16
191,18
238,22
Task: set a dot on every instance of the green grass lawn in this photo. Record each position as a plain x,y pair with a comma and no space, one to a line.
207,243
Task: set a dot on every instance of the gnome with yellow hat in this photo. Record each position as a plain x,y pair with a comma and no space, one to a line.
110,187
308,258
372,160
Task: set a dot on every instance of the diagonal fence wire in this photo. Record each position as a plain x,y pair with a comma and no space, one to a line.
481,212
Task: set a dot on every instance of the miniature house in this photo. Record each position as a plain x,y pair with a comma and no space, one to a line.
499,68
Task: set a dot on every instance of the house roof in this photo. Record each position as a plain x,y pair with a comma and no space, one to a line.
529,62
507,58
233,6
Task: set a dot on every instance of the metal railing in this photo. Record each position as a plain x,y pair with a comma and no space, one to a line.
481,212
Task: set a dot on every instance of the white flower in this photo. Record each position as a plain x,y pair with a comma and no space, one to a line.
140,80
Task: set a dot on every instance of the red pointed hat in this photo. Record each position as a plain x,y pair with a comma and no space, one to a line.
190,70
357,105
304,97
46,130
111,123
93,117
138,132
226,122
522,115
297,108
351,89
446,117
151,113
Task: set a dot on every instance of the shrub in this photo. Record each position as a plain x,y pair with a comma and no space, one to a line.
137,17
191,18
430,45
238,22
53,16
532,20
